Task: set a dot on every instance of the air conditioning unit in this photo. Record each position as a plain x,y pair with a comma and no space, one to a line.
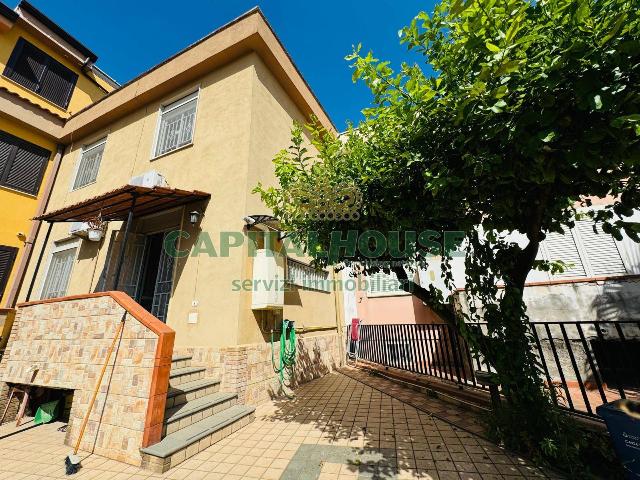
149,179
79,229
268,281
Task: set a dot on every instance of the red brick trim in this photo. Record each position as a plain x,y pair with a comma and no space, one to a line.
567,281
162,364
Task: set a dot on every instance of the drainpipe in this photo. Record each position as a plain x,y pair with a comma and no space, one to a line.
12,296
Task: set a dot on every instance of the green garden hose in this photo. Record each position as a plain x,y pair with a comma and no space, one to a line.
287,353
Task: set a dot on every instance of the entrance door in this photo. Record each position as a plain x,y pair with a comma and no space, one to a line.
157,278
147,272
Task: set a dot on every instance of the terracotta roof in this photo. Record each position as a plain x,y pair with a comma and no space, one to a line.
116,204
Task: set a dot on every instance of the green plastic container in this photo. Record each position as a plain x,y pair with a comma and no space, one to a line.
47,412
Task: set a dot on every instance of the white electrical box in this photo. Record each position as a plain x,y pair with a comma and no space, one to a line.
268,281
149,179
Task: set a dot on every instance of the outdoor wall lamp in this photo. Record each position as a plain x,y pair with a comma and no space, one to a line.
194,217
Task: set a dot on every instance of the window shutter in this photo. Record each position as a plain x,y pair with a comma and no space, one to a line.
32,68
26,170
563,247
7,149
57,83
600,249
26,65
7,257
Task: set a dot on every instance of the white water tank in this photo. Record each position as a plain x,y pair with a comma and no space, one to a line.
268,281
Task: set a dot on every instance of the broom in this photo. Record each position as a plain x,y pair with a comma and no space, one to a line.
72,462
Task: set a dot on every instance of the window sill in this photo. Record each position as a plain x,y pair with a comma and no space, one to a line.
83,186
15,190
183,147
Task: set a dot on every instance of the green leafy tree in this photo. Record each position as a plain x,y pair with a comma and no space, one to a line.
533,110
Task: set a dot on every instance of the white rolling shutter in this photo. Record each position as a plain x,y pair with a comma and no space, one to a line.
590,254
600,250
563,247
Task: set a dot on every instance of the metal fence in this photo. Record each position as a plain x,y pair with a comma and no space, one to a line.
586,363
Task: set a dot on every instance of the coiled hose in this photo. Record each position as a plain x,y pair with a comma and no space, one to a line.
287,354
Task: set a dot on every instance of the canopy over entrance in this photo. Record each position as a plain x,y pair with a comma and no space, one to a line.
123,204
117,204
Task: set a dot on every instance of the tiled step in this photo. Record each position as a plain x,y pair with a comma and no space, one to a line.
187,442
177,418
186,392
180,361
178,376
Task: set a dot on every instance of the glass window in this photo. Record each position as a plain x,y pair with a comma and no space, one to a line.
89,164
177,121
58,273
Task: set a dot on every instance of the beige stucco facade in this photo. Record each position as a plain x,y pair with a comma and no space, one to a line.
243,119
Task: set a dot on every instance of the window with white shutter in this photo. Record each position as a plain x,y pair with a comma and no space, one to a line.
35,70
600,250
589,253
176,125
59,272
22,164
89,164
564,248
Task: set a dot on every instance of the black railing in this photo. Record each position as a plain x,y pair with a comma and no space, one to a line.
585,363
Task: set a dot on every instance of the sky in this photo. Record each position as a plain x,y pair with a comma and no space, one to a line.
131,36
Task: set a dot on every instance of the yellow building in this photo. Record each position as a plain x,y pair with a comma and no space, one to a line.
46,75
170,159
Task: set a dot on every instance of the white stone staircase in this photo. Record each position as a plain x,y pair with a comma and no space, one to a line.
197,415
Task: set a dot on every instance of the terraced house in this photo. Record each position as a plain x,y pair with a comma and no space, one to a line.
46,75
171,158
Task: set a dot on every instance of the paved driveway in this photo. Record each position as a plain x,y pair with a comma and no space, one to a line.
339,427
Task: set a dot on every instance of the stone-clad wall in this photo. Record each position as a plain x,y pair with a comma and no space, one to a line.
248,370
63,344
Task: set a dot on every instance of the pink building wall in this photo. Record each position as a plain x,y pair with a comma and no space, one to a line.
393,309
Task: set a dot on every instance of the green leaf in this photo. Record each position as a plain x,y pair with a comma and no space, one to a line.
508,67
615,29
548,137
597,101
491,47
620,121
